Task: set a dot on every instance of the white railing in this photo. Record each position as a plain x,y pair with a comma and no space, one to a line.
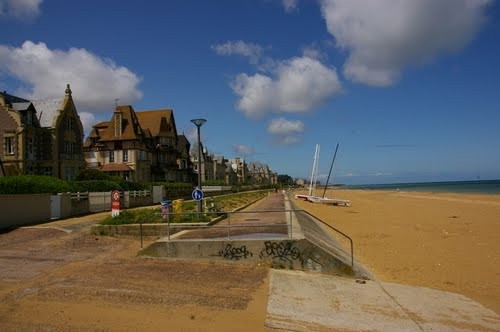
216,188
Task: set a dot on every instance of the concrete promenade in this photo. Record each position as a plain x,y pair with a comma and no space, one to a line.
309,301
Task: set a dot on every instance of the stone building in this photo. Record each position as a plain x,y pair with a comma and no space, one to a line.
40,137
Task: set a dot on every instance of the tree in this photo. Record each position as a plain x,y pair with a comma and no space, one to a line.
91,174
285,179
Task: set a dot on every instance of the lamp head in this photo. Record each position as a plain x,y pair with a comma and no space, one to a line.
198,122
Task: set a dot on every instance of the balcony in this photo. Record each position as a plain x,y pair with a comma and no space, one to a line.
93,164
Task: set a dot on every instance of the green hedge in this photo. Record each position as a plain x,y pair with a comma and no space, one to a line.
32,184
94,185
173,185
134,185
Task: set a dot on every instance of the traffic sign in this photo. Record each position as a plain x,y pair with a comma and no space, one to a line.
197,194
115,203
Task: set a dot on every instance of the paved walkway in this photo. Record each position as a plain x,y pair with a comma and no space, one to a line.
268,220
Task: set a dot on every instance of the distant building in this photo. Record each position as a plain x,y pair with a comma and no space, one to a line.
300,182
40,137
261,174
239,167
206,163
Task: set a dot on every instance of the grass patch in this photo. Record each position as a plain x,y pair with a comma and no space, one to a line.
151,216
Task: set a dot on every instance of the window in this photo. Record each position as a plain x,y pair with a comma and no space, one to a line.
69,173
111,156
125,156
69,123
30,170
47,171
9,145
31,150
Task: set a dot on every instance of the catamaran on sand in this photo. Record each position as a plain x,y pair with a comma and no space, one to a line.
311,197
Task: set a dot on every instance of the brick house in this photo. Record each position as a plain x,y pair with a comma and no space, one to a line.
139,146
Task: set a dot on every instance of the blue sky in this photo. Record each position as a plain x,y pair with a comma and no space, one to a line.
410,89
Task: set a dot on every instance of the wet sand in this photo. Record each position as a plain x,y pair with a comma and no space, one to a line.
443,241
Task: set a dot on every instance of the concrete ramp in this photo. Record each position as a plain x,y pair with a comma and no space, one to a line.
311,302
304,245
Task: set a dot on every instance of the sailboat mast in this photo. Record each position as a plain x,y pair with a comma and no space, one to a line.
331,167
314,171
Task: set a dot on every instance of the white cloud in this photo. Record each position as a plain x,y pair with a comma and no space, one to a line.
290,5
20,9
88,120
286,131
192,135
243,150
383,37
249,50
96,82
300,85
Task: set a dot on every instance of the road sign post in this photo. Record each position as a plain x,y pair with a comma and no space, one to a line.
197,194
115,203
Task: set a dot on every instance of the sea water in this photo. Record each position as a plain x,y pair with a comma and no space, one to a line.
479,187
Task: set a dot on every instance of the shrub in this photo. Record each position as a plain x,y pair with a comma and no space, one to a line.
32,184
134,185
115,178
173,185
214,183
133,217
94,185
91,174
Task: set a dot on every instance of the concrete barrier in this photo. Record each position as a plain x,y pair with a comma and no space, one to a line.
19,210
295,254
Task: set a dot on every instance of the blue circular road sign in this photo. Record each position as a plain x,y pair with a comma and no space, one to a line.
197,194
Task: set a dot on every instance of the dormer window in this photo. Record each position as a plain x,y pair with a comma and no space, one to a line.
29,118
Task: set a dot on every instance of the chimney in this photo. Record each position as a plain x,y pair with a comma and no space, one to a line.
118,122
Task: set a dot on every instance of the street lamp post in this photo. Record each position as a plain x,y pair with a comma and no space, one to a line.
199,123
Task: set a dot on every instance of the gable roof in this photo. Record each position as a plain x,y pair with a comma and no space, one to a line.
12,99
47,110
182,143
130,128
159,122
21,106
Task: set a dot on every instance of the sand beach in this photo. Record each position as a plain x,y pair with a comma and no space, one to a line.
444,241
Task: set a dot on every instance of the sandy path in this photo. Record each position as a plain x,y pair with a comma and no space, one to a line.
51,280
443,241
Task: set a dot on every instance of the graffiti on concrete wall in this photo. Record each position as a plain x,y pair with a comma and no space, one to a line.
281,251
235,253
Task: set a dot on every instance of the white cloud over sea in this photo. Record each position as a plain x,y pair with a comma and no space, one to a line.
383,37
